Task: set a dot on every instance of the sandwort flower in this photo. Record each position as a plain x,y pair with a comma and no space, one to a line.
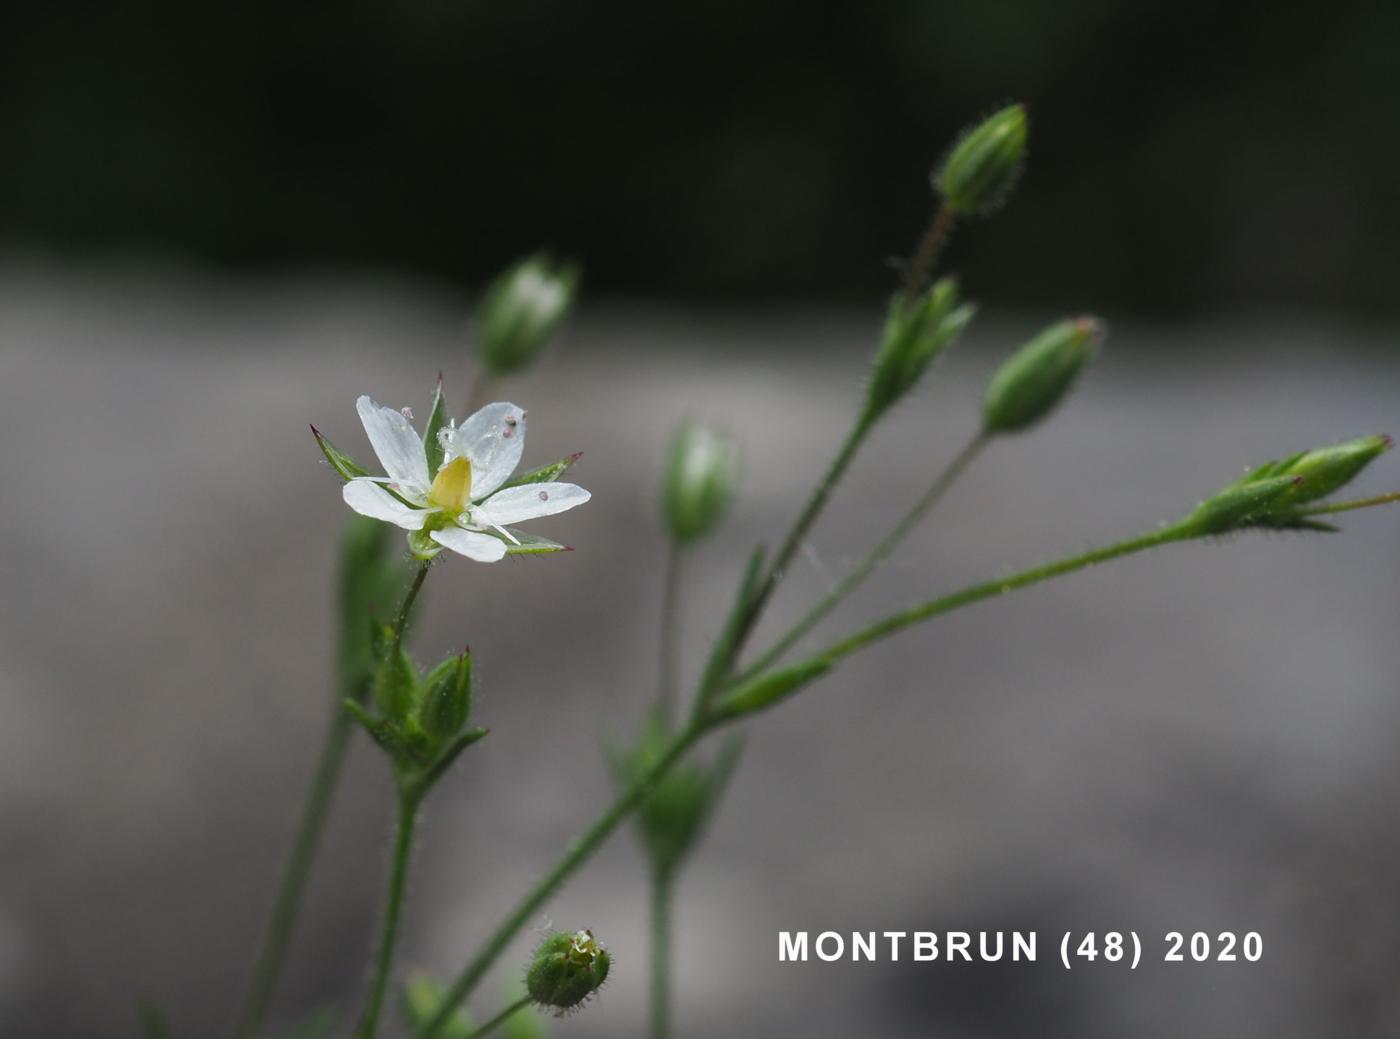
466,505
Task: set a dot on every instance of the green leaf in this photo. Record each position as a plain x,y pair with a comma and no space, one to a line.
545,473
345,466
437,421
532,545
379,730
767,689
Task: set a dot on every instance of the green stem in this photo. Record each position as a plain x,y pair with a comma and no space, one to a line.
989,589
877,555
1348,506
584,847
286,908
476,395
401,621
393,909
500,1019
926,258
669,652
578,853
775,571
662,903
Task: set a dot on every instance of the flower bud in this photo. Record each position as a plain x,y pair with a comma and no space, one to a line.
1327,469
1039,374
701,474
521,310
916,332
566,969
447,698
984,165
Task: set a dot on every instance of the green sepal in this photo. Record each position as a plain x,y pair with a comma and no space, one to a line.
916,332
437,422
396,685
1034,379
765,690
380,730
421,545
1240,505
532,545
345,466
446,701
422,998
544,473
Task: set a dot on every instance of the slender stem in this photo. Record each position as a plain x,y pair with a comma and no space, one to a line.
500,1019
987,590
481,385
662,904
393,909
926,258
877,555
285,909
794,539
578,853
1348,506
401,621
668,663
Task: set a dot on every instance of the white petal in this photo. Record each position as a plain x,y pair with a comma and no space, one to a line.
367,498
491,440
481,547
399,448
528,501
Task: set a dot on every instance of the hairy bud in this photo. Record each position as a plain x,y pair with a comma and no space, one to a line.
566,969
701,475
1038,375
521,310
980,171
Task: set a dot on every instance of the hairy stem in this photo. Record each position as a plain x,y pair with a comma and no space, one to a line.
1348,506
393,909
500,1019
989,589
578,853
662,905
877,556
405,608
925,260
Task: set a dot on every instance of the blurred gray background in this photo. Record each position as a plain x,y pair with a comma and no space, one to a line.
1201,738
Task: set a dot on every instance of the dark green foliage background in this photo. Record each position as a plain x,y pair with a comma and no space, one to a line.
1185,155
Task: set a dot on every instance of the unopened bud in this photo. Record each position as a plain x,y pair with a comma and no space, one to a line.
1327,469
1038,375
984,165
916,332
447,698
701,475
521,310
1242,505
566,969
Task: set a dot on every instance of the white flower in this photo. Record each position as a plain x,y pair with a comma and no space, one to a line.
461,506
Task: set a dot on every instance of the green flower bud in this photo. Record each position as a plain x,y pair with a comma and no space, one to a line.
1325,469
447,698
984,165
916,332
1035,378
521,310
566,969
701,475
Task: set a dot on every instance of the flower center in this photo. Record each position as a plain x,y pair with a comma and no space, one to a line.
452,486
